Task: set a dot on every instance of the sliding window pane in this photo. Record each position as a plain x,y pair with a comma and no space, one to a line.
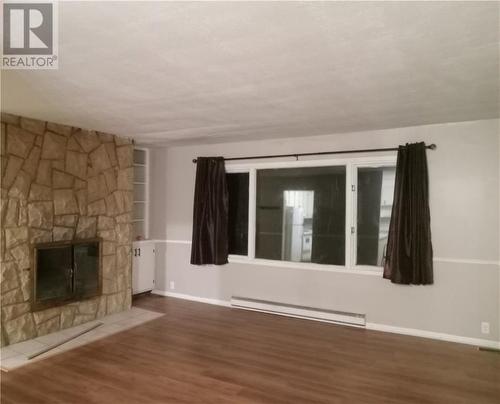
374,206
301,214
238,213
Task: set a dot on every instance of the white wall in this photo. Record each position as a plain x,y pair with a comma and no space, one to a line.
464,199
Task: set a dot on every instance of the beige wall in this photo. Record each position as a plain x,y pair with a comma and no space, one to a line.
464,199
62,183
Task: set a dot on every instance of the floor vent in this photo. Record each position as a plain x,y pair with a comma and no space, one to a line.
290,310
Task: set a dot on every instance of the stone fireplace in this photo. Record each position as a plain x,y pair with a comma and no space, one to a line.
63,186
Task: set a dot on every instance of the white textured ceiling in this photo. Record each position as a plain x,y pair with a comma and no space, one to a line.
195,72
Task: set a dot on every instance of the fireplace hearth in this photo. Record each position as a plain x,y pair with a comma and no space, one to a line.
66,272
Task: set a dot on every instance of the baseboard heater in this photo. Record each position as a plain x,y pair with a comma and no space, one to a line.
290,310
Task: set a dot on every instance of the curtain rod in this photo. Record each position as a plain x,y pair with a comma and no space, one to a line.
297,155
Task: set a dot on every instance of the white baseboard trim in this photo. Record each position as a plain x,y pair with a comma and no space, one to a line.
369,326
434,335
216,302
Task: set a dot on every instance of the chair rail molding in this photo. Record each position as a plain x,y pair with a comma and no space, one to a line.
436,259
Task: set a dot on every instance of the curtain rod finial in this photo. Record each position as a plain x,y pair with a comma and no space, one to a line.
433,146
195,160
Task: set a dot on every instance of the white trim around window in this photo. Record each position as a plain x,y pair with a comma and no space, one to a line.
352,165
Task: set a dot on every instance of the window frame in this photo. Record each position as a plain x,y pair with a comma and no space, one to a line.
352,165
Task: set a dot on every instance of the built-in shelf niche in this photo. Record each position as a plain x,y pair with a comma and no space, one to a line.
141,193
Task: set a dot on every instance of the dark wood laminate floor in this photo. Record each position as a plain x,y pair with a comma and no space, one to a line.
200,353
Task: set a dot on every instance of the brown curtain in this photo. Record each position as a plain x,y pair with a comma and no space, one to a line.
408,258
210,213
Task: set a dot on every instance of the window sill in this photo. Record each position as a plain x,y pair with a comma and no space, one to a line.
358,270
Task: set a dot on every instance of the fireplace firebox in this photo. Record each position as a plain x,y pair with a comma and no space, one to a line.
66,272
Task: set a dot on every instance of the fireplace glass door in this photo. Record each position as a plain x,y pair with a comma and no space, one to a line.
66,272
86,264
54,281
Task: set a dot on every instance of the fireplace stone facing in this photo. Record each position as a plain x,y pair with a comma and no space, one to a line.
61,183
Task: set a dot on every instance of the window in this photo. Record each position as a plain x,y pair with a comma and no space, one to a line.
374,206
301,215
333,213
237,185
140,214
